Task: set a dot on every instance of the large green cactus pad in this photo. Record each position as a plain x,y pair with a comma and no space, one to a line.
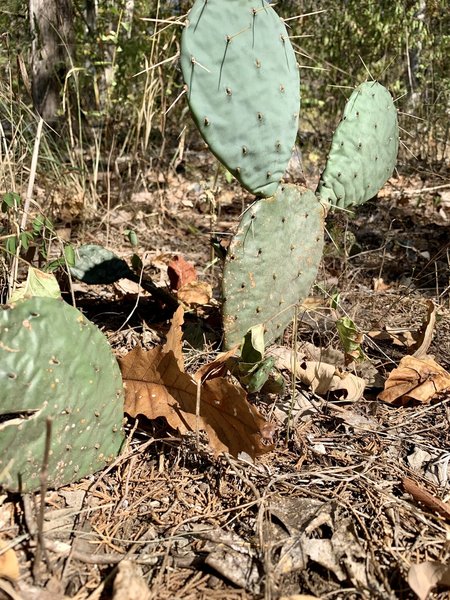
55,363
364,148
243,87
271,263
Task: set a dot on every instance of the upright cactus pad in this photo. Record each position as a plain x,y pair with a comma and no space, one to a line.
364,148
272,262
55,363
243,87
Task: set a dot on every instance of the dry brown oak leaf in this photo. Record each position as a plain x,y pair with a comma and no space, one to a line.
415,379
156,385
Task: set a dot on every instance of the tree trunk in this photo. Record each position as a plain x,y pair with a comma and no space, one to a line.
51,23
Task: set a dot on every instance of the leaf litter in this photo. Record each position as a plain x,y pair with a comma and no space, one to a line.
194,519
156,385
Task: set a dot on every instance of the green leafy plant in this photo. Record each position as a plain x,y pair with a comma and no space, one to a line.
37,241
243,91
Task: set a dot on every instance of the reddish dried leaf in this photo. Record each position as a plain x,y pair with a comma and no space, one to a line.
155,386
180,272
415,379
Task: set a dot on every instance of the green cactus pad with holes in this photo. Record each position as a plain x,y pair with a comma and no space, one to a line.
243,87
364,148
272,262
55,363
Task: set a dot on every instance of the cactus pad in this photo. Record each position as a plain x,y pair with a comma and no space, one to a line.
55,363
272,262
243,87
364,148
95,264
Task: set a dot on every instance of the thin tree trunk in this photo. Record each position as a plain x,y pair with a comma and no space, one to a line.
51,23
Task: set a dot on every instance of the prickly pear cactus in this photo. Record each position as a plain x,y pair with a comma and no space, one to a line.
95,264
243,91
272,262
55,363
243,87
364,148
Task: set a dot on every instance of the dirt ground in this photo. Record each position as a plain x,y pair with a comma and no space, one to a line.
353,493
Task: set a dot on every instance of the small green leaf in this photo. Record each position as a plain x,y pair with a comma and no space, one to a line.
55,264
255,380
132,237
69,254
10,200
38,224
335,300
351,338
11,244
228,176
25,239
253,345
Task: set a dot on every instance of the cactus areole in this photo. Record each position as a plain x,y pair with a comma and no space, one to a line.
243,87
55,364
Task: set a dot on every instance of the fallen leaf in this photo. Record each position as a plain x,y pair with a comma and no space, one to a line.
306,520
430,464
195,292
215,368
180,272
38,283
398,337
424,577
9,564
379,285
129,583
174,338
418,341
125,288
233,558
329,355
321,377
425,333
415,379
156,385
